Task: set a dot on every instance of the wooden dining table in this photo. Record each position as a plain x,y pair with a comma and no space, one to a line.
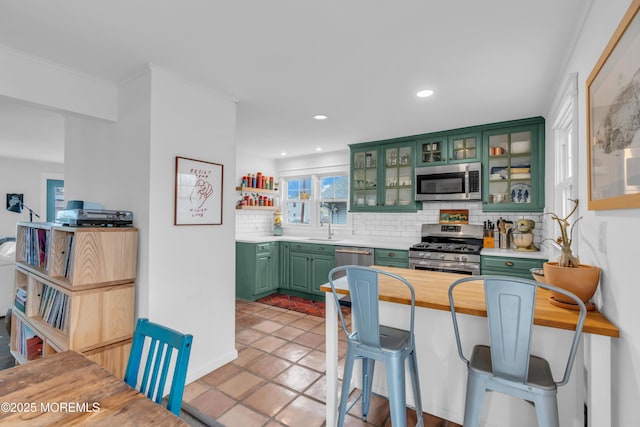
68,389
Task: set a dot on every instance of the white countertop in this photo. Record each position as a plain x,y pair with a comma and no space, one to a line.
542,254
398,243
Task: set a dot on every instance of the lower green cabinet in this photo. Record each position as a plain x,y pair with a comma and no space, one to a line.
257,269
509,266
392,258
296,268
284,265
309,266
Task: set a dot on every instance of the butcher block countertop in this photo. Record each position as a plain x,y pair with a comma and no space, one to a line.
432,289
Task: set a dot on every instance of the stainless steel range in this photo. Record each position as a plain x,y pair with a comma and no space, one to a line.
448,247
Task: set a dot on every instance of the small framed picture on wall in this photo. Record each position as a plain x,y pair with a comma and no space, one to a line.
198,192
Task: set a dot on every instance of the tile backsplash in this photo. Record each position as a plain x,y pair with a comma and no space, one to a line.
249,221
405,225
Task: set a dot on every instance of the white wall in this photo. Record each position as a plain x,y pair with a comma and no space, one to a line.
248,163
134,141
90,157
607,238
32,79
121,145
24,177
191,268
319,160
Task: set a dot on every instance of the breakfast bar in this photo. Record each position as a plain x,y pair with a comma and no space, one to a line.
443,374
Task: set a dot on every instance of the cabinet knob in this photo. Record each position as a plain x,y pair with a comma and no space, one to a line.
392,254
509,263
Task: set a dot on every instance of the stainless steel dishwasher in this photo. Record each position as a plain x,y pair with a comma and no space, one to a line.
349,255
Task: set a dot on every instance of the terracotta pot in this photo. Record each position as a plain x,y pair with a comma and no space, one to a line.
581,281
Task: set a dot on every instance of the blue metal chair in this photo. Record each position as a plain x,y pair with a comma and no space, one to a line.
371,342
507,366
158,343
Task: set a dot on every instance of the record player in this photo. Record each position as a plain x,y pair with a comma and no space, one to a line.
94,218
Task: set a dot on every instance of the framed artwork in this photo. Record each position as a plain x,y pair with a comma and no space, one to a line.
198,192
454,216
613,119
14,202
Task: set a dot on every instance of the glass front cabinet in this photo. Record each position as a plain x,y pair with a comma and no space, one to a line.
382,177
514,169
449,148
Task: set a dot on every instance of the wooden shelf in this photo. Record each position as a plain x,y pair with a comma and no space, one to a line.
258,208
257,190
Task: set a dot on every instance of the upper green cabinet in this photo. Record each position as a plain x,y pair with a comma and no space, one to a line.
511,153
382,177
513,160
449,147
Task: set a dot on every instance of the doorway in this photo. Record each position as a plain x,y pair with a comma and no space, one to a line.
55,198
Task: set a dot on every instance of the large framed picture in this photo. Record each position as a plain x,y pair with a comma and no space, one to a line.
613,119
198,192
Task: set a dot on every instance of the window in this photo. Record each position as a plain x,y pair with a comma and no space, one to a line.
297,200
334,195
565,150
316,199
565,174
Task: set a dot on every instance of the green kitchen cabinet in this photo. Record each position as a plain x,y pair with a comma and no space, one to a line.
513,176
391,258
509,266
300,271
309,266
450,147
382,176
257,269
283,277
321,265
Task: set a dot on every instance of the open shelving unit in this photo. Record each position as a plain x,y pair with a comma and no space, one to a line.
80,293
257,191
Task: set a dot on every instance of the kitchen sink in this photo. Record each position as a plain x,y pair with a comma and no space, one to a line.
323,239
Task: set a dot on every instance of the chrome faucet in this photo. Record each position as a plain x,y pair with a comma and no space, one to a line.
327,219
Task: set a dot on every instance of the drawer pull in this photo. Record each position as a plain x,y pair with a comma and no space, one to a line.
509,263
353,251
392,254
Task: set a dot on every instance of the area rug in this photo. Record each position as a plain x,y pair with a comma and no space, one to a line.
302,305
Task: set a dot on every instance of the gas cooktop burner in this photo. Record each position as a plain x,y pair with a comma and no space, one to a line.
448,247
445,247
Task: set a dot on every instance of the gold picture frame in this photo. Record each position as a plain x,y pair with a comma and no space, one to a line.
198,192
613,134
454,216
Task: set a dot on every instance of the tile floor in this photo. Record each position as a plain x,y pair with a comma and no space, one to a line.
278,378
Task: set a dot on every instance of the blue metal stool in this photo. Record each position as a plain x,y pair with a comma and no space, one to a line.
371,342
507,366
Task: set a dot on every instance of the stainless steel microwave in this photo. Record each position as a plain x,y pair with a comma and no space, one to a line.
461,181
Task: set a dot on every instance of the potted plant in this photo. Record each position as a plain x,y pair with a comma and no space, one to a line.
568,273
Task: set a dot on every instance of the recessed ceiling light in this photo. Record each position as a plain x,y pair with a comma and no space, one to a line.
283,154
318,148
424,93
320,117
